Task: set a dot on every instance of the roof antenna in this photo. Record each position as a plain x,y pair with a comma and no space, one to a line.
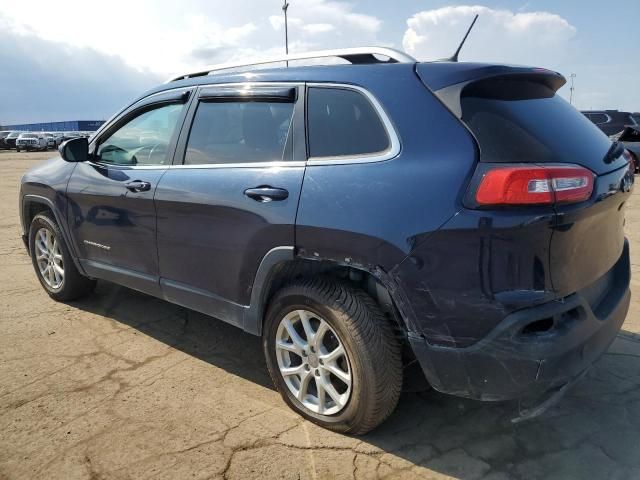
454,57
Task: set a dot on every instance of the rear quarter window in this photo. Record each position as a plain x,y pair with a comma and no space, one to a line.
343,123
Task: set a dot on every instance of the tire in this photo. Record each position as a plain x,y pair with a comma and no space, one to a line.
18,149
372,359
73,284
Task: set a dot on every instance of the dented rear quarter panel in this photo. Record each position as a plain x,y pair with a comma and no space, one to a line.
376,213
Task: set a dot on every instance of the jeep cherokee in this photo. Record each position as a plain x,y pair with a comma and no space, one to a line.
358,217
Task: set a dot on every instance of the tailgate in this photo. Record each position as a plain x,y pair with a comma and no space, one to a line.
589,239
518,119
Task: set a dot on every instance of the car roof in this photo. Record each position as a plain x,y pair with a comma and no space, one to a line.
437,74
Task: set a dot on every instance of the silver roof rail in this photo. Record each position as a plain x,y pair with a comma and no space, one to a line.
356,55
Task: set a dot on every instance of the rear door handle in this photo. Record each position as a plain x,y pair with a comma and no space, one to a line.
138,186
266,194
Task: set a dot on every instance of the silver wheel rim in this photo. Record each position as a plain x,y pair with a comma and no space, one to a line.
49,258
313,362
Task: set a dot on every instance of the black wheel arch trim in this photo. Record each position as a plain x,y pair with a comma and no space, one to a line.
32,198
253,316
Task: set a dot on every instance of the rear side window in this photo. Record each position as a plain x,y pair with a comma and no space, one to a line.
240,132
343,122
524,121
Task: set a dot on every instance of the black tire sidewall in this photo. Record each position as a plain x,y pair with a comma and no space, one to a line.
357,360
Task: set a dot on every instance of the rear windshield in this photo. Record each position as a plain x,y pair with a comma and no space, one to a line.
524,121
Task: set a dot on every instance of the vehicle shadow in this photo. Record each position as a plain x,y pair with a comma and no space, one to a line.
594,432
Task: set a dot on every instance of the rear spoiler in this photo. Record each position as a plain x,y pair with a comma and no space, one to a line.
447,80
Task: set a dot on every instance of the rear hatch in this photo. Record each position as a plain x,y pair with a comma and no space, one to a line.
522,126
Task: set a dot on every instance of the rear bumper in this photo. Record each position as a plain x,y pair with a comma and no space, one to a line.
537,349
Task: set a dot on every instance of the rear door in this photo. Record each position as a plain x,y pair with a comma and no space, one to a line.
112,216
231,195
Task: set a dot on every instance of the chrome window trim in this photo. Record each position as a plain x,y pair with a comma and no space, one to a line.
392,152
394,140
273,164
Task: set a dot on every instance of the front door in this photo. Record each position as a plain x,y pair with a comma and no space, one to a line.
112,216
231,196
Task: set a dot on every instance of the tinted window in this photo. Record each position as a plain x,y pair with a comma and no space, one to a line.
343,122
144,140
520,121
239,132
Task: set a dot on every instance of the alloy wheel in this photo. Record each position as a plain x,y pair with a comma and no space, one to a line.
313,362
49,258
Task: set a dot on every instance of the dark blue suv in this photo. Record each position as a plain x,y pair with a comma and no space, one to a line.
359,217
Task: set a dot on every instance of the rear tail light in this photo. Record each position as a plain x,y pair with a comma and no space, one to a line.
524,185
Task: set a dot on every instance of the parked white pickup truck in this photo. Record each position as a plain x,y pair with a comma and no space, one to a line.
31,141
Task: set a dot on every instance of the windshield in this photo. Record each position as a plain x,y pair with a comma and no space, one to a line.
29,135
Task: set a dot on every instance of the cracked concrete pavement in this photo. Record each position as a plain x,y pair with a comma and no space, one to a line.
125,386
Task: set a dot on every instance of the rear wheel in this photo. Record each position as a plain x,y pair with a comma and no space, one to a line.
333,355
52,261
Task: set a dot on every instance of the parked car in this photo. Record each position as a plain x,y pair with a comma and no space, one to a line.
611,121
51,140
31,141
59,138
69,135
630,138
3,135
458,215
9,142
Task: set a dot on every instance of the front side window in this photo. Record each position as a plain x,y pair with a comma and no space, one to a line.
343,122
239,132
144,140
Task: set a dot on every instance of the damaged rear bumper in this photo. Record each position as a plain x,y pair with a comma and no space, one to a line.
537,349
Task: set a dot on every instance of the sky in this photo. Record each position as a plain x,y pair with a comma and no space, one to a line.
79,59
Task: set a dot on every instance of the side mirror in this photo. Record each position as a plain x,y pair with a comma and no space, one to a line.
75,150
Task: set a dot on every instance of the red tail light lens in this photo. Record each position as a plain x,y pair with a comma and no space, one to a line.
535,185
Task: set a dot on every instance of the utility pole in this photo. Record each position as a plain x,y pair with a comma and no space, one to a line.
571,88
285,7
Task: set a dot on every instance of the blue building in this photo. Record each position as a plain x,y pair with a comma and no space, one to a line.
71,126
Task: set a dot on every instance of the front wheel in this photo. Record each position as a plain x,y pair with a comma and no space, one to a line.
52,261
18,149
333,355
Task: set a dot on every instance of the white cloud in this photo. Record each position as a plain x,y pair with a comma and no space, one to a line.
165,36
537,38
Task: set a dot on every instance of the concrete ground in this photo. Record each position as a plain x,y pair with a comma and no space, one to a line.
122,385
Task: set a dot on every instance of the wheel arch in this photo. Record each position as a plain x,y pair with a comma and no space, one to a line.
282,265
31,206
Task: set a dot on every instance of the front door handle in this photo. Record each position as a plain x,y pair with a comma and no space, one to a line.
138,186
266,194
